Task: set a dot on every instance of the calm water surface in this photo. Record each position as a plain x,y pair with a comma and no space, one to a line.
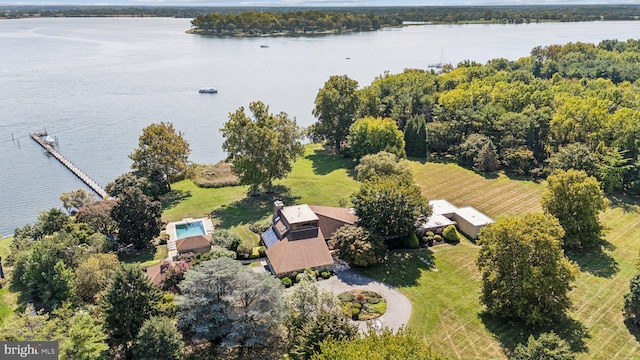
95,83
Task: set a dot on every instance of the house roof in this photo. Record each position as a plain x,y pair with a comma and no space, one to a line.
298,214
193,242
436,221
289,255
344,215
155,272
473,216
442,207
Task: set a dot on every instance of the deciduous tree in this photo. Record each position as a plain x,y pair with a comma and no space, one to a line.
382,164
576,200
357,246
263,148
138,218
74,200
378,346
336,106
98,215
389,206
316,317
371,135
161,150
548,346
525,276
158,339
93,275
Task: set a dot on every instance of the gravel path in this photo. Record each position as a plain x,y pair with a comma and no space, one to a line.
398,306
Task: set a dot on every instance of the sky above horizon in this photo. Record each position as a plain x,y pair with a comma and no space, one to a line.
315,2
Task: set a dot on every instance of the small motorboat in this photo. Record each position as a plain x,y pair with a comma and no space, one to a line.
208,91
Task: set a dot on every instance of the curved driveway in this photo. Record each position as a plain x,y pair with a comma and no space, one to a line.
398,306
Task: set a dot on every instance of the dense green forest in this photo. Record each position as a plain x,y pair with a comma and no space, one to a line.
258,23
572,106
436,14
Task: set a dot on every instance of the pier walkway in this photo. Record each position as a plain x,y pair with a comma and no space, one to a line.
38,137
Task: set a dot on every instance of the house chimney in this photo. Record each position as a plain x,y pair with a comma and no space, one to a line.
277,205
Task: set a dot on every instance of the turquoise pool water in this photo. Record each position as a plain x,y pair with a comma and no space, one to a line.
190,229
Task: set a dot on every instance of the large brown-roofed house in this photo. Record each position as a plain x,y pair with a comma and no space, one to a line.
296,239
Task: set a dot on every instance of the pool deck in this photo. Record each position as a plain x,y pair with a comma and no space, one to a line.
173,235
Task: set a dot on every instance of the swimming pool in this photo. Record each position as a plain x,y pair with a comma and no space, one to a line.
190,229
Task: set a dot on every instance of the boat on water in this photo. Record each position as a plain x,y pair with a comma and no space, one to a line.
49,140
208,91
440,64
264,46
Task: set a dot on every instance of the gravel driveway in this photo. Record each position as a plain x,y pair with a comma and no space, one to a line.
398,306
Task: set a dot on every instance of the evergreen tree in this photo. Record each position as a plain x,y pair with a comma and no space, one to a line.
128,301
415,136
631,308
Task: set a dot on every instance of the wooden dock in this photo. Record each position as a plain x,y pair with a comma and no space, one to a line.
69,165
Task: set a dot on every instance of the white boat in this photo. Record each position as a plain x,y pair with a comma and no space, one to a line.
208,91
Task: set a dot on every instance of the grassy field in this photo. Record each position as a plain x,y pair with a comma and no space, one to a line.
446,310
445,298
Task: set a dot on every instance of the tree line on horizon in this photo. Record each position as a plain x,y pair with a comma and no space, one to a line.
435,14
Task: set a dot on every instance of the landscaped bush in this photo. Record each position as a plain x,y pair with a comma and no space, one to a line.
244,251
451,234
287,282
411,241
427,238
362,304
326,274
258,252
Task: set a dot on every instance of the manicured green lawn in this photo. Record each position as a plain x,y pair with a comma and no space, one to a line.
446,308
317,178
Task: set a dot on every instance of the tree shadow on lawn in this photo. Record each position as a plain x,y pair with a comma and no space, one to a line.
131,255
401,268
596,261
633,328
324,162
510,334
253,208
626,203
174,198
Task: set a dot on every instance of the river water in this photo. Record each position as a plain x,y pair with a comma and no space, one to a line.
95,83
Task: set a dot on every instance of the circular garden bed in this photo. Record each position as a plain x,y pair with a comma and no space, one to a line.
362,304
